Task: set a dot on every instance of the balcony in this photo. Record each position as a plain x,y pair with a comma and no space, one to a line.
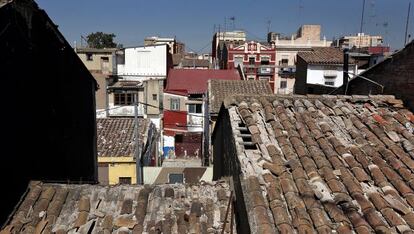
265,71
287,72
125,111
259,69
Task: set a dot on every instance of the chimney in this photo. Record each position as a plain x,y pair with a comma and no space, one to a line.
345,71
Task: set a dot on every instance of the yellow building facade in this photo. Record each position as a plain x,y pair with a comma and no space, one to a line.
119,170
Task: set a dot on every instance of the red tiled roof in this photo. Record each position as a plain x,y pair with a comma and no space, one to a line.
324,55
194,81
325,163
74,208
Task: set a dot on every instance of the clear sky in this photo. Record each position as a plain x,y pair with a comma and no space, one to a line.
193,21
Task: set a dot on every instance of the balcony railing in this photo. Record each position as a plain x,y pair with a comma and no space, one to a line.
125,110
260,69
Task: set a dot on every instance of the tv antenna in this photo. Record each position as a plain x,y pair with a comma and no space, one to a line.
406,25
268,22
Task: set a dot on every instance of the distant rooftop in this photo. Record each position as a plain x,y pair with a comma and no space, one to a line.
323,55
194,81
116,136
94,50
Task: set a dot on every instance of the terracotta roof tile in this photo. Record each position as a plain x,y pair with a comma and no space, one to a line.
177,208
346,168
323,55
218,90
116,136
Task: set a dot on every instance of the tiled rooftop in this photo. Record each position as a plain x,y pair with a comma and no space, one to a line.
220,89
325,163
323,55
195,62
116,136
176,208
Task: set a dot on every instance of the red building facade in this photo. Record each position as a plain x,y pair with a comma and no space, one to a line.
257,60
185,110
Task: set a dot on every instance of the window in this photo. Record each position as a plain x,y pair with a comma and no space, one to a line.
283,84
154,97
251,60
330,83
89,56
284,62
195,108
125,180
251,77
175,104
175,178
264,60
238,61
124,99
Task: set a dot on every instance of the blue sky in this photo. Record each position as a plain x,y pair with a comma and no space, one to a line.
192,21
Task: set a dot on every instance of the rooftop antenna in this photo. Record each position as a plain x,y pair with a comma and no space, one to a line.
406,25
362,23
233,19
373,14
300,11
84,39
269,22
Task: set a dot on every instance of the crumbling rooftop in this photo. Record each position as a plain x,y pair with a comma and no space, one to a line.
325,163
173,208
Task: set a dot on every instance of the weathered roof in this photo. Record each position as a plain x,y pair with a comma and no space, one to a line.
220,89
122,84
323,55
95,50
194,81
324,163
194,63
116,136
174,208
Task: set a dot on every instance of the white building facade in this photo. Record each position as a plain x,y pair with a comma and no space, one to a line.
139,78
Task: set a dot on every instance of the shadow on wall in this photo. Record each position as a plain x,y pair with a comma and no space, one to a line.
49,133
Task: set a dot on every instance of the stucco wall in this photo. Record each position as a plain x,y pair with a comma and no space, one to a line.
167,101
316,74
145,61
96,63
119,167
153,87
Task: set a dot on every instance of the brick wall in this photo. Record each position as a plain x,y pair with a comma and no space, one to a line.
396,74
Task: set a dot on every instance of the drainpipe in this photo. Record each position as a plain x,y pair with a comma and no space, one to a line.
345,71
